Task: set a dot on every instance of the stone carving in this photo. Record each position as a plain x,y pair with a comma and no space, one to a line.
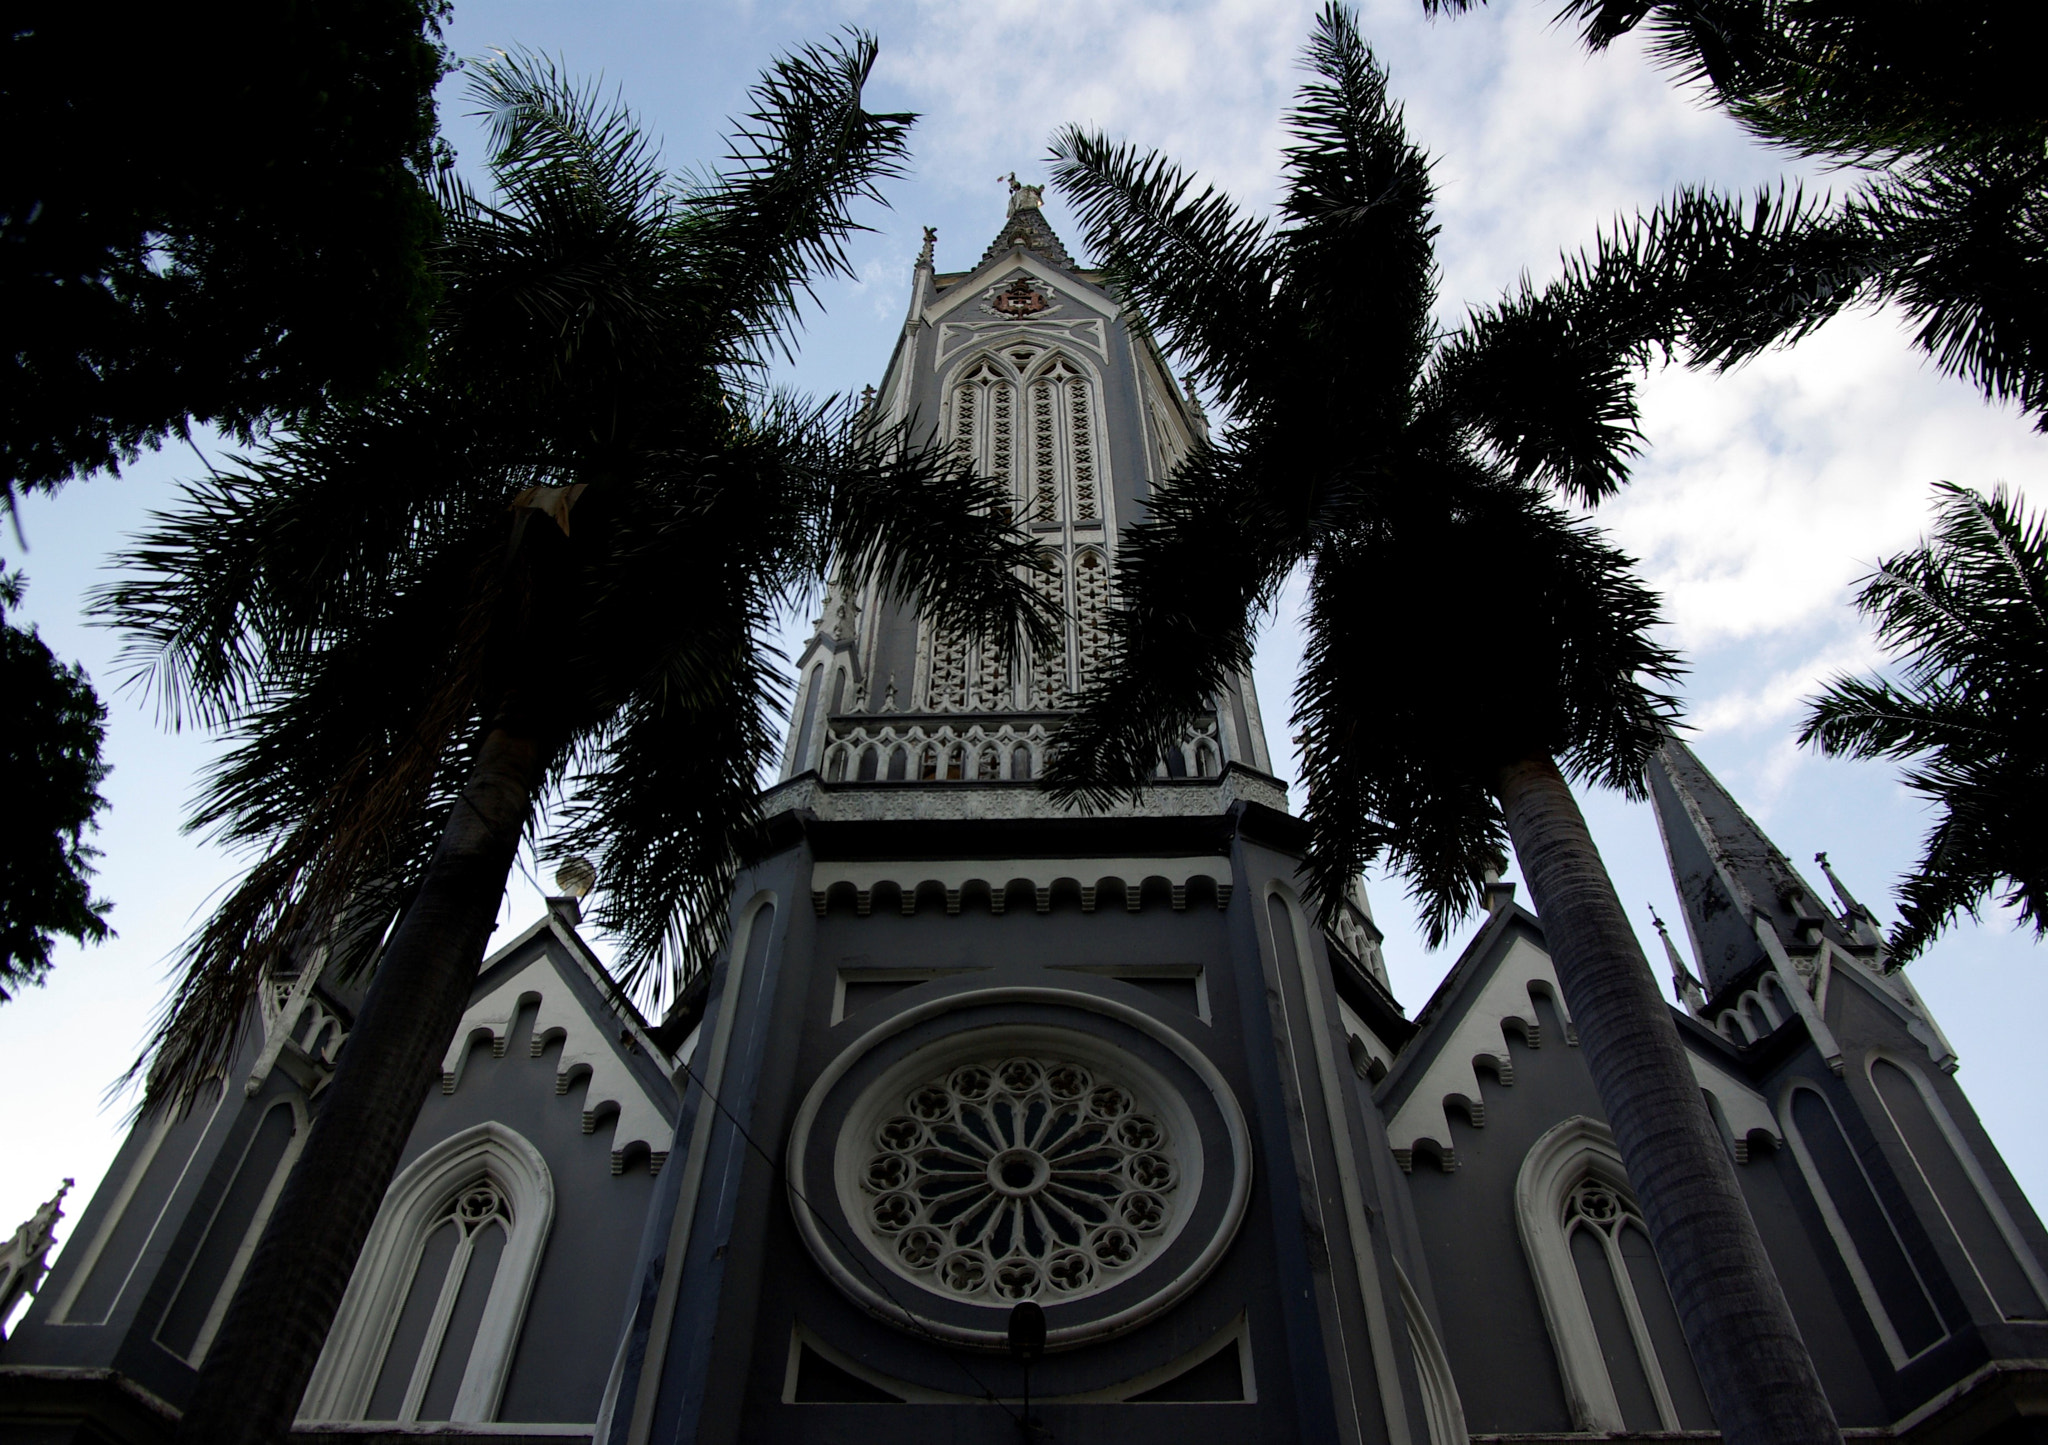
1019,1178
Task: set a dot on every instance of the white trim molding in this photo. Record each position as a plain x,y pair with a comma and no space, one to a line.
416,1202
1573,1153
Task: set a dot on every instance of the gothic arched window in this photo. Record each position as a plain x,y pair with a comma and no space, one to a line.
427,1328
1049,664
1978,1219
1619,1345
1065,480
1091,613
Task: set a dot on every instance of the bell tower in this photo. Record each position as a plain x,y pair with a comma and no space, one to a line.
1027,366
969,1050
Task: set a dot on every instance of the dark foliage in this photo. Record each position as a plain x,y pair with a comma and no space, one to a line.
1939,107
1411,472
51,759
215,213
1965,616
576,521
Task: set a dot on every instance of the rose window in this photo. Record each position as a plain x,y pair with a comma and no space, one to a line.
1030,1178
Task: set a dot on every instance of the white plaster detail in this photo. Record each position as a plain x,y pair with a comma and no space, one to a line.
952,1051
1452,1078
1441,1406
993,877
418,1200
1017,1175
1573,1158
589,1052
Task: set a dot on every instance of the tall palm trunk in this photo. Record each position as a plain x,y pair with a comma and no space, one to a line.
1753,1364
256,1373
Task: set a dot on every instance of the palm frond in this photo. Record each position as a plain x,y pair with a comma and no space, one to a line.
1202,274
1965,617
1964,244
1193,578
781,215
1360,268
666,799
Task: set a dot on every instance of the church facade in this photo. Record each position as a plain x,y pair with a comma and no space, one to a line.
967,1051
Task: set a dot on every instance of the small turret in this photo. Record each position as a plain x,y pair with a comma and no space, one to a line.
1683,984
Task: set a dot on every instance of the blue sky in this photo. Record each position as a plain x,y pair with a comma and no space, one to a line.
1761,496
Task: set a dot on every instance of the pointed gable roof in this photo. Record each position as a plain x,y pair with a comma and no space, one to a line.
1728,874
1026,227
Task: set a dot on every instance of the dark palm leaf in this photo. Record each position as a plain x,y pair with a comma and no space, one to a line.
1966,618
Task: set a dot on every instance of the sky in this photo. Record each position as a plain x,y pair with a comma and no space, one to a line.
1761,497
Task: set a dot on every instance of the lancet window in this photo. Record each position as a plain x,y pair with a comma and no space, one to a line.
1623,1354
1065,480
427,1328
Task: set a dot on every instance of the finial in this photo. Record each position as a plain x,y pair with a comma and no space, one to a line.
889,696
1187,386
1012,179
931,238
867,399
576,877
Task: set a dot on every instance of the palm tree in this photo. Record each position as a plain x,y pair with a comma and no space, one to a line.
537,571
1966,616
1470,643
1939,111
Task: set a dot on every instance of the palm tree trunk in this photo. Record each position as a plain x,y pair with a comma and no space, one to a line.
250,1386
1753,1364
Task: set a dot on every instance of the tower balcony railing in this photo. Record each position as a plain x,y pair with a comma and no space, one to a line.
992,748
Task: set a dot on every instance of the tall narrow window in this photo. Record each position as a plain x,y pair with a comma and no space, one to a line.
1049,664
1081,443
428,1327
202,1299
437,1326
1045,460
1091,613
1864,1230
1620,1349
1982,1226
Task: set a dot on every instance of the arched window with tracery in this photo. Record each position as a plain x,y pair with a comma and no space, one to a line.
1620,1349
1049,687
1065,472
1091,613
984,421
431,1318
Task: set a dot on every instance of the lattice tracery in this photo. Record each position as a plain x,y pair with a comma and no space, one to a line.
1091,614
1045,494
946,673
1049,664
1020,1178
1083,453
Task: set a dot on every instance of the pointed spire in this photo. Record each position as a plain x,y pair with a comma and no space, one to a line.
1728,874
1026,227
1682,982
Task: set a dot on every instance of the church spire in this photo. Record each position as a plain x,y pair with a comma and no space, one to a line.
1729,875
1026,228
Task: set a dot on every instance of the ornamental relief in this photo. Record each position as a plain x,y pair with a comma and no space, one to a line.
1019,299
976,1150
1024,1178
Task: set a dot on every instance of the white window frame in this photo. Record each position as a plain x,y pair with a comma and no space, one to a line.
416,1202
1555,1166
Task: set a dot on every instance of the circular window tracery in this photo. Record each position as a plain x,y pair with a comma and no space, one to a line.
1027,1177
